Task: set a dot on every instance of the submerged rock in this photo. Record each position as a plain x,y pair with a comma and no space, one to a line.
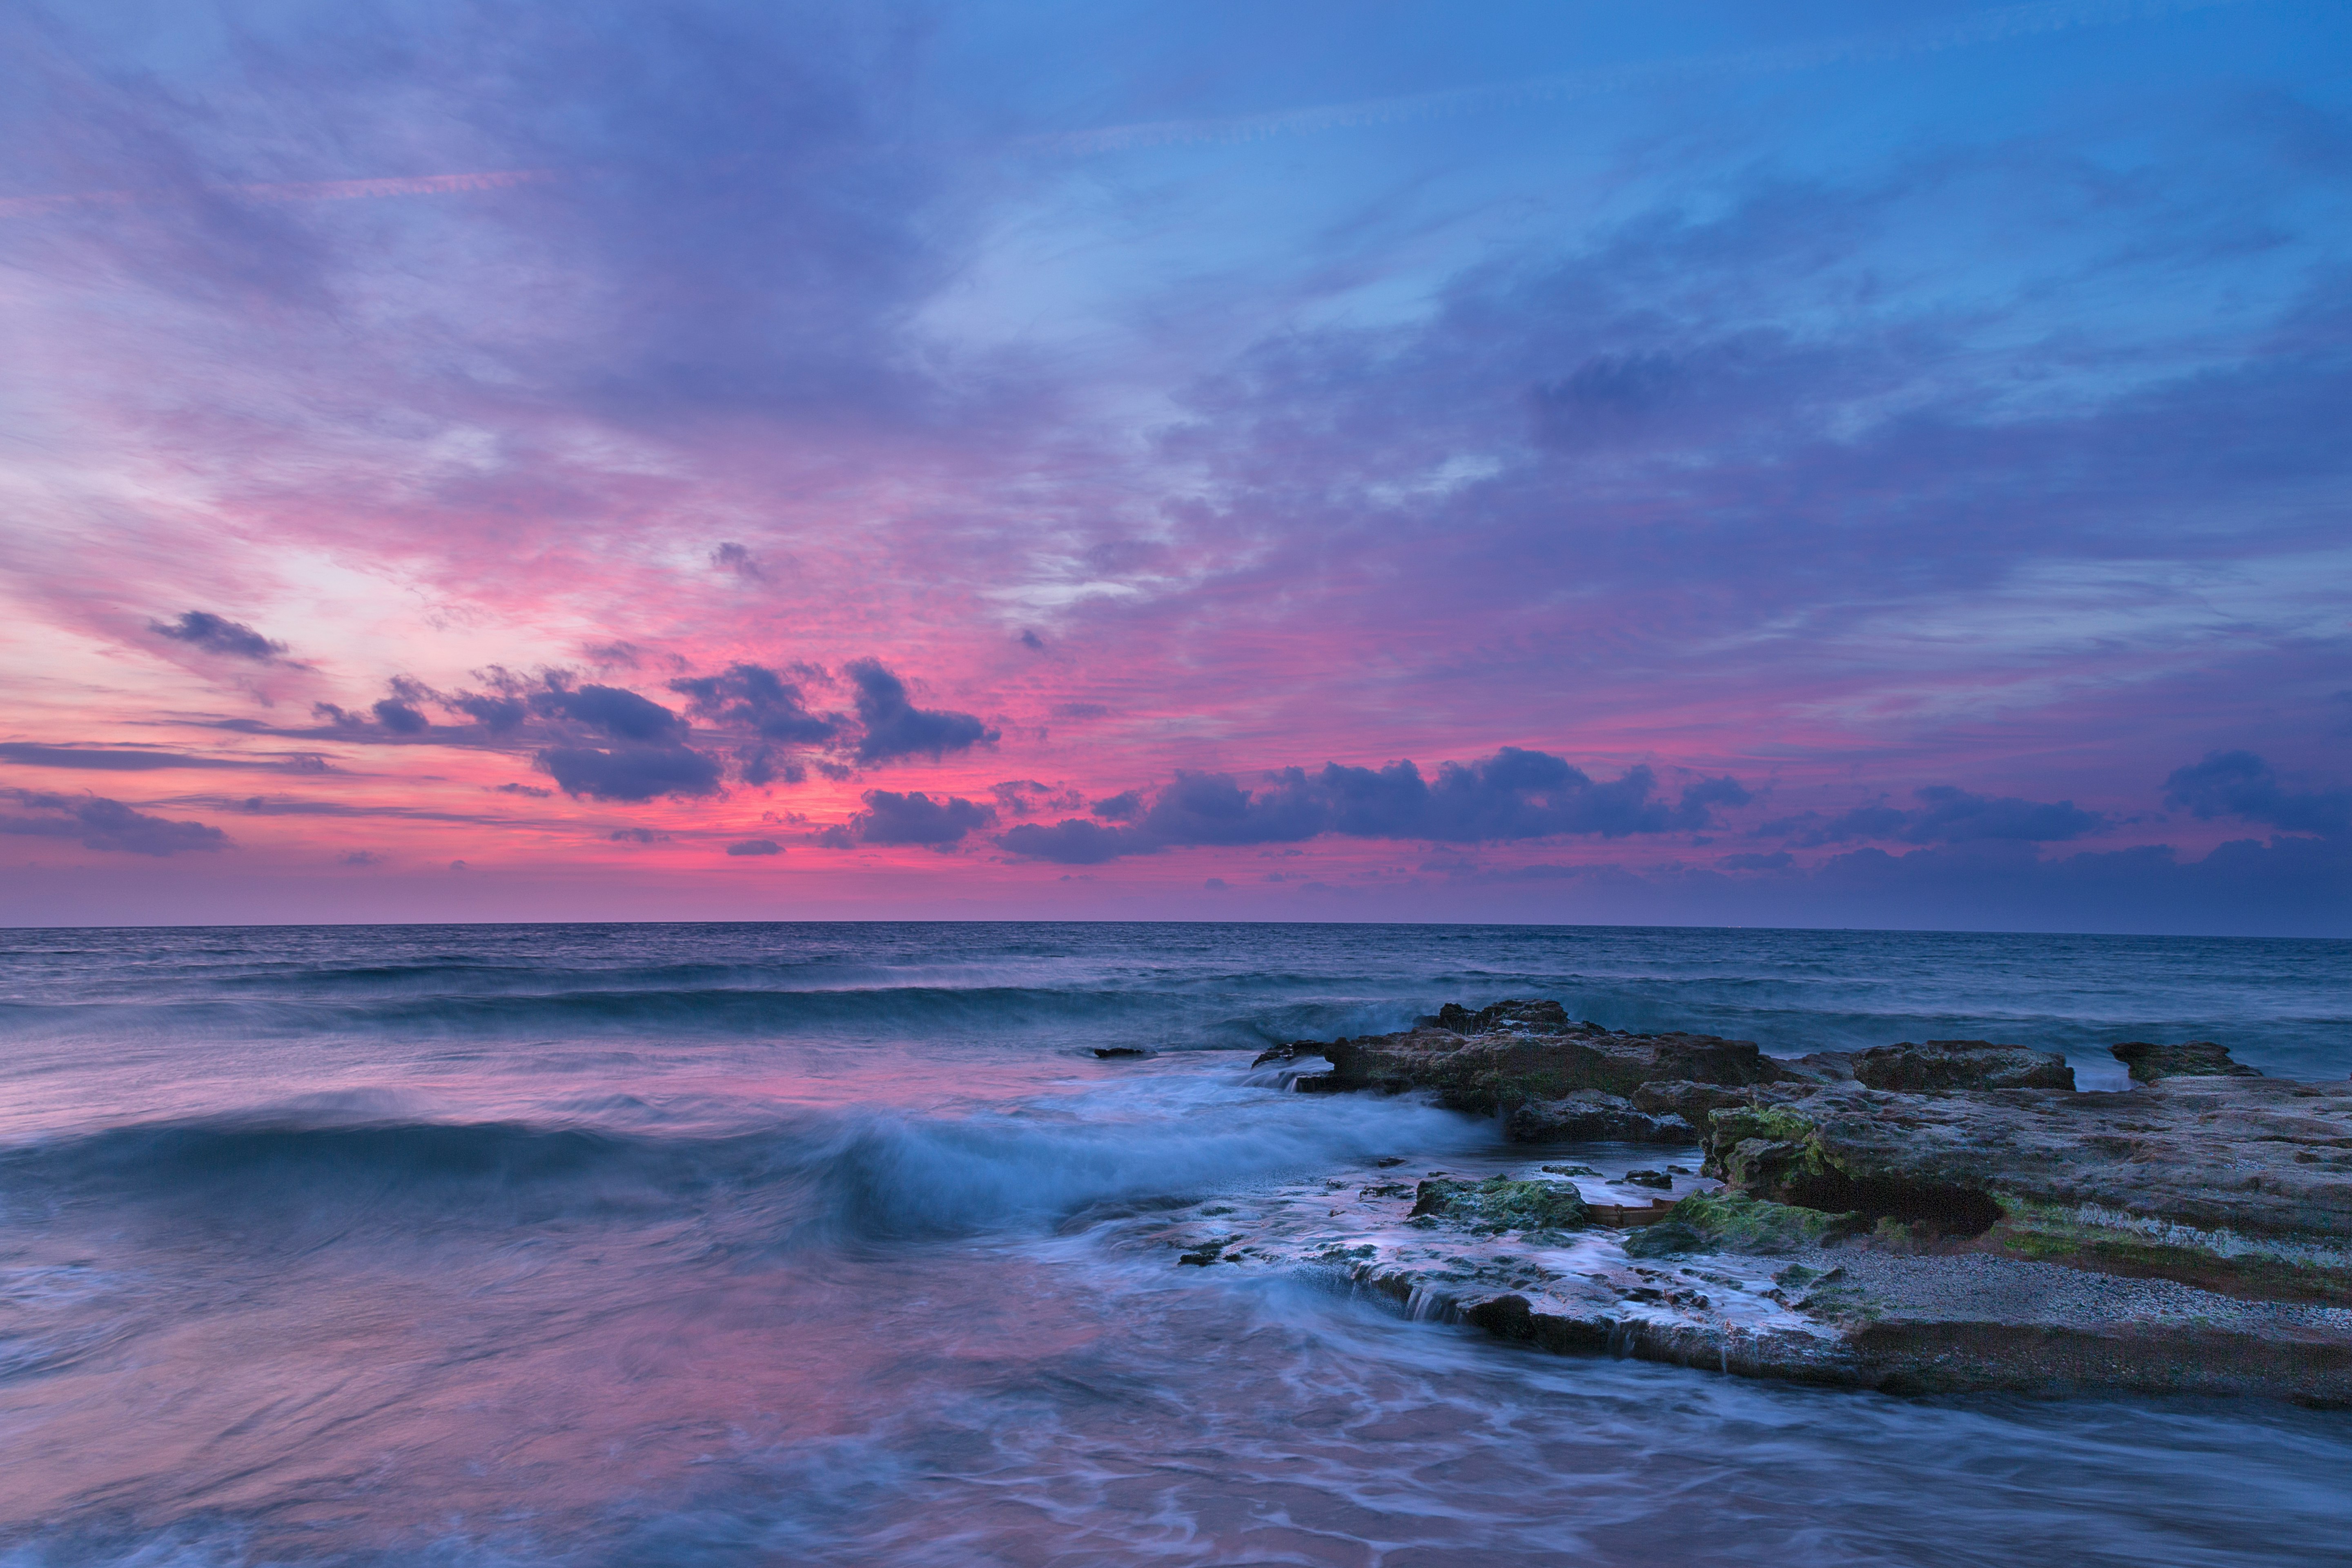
2190,1059
1941,1065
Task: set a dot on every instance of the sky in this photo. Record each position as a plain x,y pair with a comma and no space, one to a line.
1722,464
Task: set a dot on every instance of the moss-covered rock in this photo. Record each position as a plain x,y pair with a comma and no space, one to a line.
1734,1222
1766,1150
1501,1204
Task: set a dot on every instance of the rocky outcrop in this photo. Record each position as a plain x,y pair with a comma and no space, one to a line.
2190,1059
1918,1217
1591,1116
1530,1053
1501,1204
1744,1285
2257,1157
1942,1065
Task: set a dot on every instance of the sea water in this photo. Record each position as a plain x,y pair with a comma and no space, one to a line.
815,1243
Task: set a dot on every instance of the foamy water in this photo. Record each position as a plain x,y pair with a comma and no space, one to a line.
820,1244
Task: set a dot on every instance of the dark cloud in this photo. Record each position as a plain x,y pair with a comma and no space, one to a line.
1079,710
1949,816
498,715
617,712
736,559
216,634
533,790
1021,798
637,836
1125,806
895,728
917,818
1513,794
399,717
502,710
1945,815
752,697
755,846
1073,842
614,655
1033,642
626,773
648,759
118,760
1778,860
761,768
360,858
2241,785
101,824
834,838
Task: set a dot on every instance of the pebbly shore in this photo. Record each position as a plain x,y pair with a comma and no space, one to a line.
1919,1218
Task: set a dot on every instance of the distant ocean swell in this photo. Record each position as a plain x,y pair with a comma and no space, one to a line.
731,1011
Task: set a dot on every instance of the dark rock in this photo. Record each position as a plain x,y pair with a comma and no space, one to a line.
1734,1222
1290,1053
1692,1101
1590,1115
1532,1017
1516,1052
2252,1156
1941,1065
1386,1160
1667,1238
1657,1179
1106,1052
2190,1059
1820,1067
1501,1204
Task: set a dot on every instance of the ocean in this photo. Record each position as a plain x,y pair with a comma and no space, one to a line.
832,1244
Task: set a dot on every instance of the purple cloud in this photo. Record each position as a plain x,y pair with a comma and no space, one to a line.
98,823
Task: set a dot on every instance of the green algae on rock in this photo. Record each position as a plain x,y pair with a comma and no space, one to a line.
1501,1204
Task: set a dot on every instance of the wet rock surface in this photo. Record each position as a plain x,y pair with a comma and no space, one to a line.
1941,1065
1916,1217
2190,1059
1518,1054
1591,1116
